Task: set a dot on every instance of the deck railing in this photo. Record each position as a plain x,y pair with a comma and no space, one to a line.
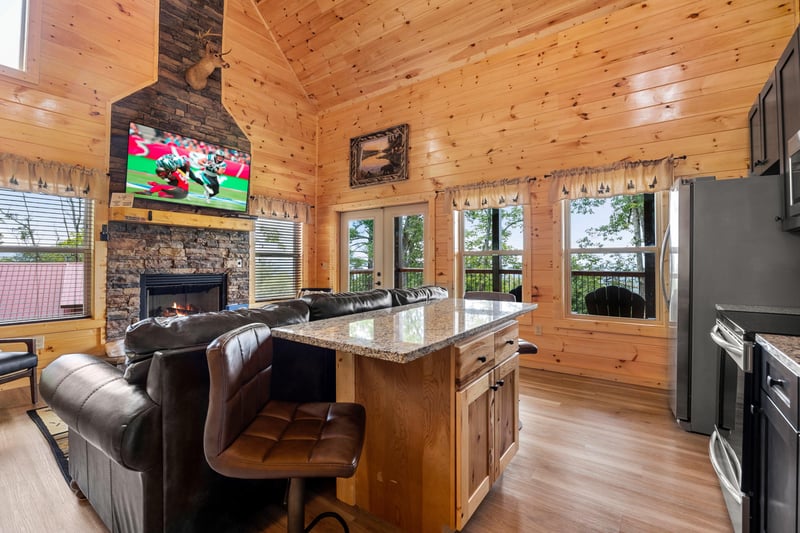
583,281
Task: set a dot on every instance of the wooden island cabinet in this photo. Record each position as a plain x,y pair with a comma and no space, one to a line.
440,384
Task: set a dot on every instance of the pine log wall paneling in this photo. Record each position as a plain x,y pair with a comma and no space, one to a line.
266,99
646,81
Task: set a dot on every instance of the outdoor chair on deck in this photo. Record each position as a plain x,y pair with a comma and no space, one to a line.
249,435
20,364
615,301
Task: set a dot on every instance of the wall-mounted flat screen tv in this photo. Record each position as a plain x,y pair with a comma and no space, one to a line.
174,168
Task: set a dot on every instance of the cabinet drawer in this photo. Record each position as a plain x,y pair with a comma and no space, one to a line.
506,342
473,357
781,385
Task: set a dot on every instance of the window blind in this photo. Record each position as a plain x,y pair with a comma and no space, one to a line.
277,254
45,257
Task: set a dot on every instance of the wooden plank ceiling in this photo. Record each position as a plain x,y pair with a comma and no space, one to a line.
343,50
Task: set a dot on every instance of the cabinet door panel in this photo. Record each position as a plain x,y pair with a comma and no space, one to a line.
474,457
770,128
506,407
779,445
787,81
756,142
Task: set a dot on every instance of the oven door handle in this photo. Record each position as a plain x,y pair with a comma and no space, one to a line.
733,468
737,352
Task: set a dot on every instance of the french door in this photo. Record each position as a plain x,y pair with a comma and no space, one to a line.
384,248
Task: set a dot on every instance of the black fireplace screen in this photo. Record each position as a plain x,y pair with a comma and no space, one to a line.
164,295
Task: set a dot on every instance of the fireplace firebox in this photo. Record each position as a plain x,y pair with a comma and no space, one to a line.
164,295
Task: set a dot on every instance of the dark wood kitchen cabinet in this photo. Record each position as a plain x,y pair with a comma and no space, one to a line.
787,84
773,120
765,131
779,447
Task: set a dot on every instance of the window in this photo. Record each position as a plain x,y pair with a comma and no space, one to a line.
492,242
19,37
612,242
13,28
277,256
45,257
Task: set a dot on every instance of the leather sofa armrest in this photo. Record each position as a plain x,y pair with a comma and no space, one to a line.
94,400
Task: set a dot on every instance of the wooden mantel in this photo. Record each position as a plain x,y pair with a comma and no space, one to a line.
169,218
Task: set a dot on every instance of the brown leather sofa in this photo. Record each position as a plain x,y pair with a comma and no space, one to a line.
136,431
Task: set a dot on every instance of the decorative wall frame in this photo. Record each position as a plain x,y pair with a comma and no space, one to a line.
380,157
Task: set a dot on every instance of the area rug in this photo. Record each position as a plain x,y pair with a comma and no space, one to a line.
55,432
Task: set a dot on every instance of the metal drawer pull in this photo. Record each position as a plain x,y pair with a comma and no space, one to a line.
510,341
497,384
482,359
775,382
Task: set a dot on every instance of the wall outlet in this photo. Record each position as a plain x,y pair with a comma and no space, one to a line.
38,342
537,329
239,263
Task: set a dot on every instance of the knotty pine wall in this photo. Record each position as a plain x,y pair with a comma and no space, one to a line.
657,78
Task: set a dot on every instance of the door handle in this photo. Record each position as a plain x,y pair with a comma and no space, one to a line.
664,242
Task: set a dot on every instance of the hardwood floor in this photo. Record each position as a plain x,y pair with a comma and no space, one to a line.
595,456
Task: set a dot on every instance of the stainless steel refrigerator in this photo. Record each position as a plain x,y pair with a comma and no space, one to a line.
725,247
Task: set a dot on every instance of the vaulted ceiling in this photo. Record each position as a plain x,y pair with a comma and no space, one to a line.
342,50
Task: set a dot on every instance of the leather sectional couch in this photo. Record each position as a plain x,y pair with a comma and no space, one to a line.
136,431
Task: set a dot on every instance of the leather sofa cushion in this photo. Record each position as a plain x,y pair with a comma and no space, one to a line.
346,303
419,294
152,334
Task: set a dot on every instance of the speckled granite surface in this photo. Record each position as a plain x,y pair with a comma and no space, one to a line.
402,334
784,348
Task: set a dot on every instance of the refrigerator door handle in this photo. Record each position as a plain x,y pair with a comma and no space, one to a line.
664,242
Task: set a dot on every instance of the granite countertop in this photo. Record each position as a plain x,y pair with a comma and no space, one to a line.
405,333
785,348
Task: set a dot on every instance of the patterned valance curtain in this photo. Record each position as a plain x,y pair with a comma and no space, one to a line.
264,207
622,177
49,177
503,193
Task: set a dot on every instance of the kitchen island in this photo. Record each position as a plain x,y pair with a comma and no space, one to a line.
439,381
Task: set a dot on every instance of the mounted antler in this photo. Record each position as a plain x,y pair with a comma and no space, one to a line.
197,75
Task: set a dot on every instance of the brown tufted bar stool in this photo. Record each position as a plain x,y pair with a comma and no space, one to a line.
250,435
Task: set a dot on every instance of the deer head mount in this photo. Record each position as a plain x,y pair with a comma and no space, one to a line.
197,75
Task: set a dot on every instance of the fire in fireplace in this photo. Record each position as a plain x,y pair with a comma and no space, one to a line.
164,295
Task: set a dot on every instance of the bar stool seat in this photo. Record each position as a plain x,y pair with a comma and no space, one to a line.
18,365
252,436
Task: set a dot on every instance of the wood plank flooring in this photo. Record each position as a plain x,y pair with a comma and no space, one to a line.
595,456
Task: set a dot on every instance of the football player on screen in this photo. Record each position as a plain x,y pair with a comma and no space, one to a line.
176,171
213,170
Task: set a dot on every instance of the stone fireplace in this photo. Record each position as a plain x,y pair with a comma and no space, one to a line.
140,249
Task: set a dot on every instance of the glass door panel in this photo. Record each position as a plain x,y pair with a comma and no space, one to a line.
384,248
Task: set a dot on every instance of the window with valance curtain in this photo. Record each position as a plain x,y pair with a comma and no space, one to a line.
612,231
490,235
622,177
277,247
46,243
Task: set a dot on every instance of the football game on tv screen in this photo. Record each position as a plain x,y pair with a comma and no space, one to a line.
173,168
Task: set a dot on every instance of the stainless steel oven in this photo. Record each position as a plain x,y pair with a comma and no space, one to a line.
733,441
